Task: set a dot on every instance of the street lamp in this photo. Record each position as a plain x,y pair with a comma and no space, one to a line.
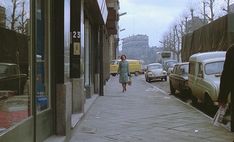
121,14
122,29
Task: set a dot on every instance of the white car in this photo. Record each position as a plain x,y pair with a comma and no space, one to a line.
170,68
155,71
204,77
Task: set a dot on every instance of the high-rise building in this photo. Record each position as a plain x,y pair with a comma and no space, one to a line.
2,16
136,46
195,23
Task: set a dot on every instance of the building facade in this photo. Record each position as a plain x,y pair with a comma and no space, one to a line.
58,60
112,26
136,46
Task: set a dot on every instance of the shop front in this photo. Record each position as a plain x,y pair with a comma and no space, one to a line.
26,112
52,59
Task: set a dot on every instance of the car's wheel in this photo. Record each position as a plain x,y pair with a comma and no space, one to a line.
146,79
185,94
136,73
193,98
149,80
172,89
209,105
113,74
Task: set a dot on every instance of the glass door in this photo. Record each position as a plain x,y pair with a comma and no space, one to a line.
44,113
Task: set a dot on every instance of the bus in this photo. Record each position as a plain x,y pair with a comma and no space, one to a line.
166,54
163,56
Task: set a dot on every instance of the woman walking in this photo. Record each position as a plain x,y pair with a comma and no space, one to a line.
123,72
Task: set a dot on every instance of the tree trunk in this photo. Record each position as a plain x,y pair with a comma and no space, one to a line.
13,20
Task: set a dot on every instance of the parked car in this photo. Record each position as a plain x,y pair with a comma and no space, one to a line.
155,71
204,77
168,63
11,79
178,78
114,65
170,68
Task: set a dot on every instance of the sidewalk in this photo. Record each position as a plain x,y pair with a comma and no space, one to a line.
145,114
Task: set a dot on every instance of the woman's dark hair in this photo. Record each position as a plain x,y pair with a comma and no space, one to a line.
121,57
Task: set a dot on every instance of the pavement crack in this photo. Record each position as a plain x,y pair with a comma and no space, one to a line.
112,137
169,114
88,130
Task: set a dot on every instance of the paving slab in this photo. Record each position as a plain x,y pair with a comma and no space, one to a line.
145,114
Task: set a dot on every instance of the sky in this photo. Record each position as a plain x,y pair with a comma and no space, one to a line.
149,17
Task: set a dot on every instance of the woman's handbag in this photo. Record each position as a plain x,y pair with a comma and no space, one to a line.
129,80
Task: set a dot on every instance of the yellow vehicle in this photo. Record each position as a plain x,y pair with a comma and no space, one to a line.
135,66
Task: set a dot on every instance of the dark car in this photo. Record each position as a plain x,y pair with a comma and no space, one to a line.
168,64
178,78
11,79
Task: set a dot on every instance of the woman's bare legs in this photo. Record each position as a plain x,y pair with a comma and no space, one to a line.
124,86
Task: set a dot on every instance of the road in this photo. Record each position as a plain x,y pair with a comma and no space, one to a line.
164,85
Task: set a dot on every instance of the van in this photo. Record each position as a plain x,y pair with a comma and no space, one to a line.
204,77
114,65
135,66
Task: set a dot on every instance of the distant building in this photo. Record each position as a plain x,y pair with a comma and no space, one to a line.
136,46
2,16
195,23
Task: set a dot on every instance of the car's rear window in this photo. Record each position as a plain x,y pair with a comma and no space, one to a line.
155,67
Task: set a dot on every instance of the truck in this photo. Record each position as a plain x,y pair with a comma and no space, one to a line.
215,36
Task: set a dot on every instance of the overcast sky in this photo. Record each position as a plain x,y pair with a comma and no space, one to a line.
150,17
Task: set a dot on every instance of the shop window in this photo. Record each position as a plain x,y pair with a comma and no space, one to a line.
42,76
15,93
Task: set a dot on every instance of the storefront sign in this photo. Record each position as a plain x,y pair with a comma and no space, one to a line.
76,48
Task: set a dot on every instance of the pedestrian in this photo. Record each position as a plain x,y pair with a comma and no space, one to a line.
123,72
227,83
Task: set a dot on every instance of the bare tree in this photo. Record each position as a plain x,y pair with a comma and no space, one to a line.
22,21
14,17
170,42
178,42
210,5
17,16
227,9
